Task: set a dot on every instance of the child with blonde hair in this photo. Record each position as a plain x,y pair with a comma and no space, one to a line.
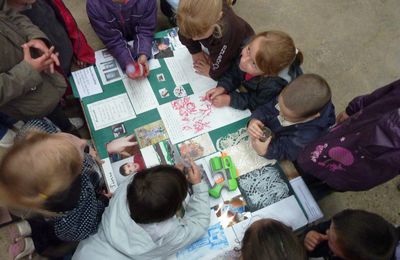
50,173
267,64
214,25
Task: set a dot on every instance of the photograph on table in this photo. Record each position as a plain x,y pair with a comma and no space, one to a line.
161,48
118,130
263,187
126,167
232,211
161,153
123,147
197,147
174,38
151,133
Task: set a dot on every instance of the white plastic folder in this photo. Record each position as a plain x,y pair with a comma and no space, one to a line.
308,202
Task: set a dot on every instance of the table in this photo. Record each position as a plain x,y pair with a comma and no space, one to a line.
167,115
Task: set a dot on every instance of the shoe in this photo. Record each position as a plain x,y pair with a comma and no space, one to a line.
21,249
77,122
8,139
19,230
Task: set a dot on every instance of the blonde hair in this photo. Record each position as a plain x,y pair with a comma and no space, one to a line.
277,51
195,18
36,168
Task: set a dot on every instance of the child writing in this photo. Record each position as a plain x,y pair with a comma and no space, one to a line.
50,173
362,151
118,21
353,234
267,64
270,239
140,222
301,113
213,24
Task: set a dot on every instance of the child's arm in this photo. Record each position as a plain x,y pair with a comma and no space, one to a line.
360,102
145,30
111,37
194,47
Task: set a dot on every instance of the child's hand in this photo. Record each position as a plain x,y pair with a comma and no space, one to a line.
95,155
194,174
42,47
200,56
41,63
313,239
214,92
343,116
202,67
255,129
118,145
221,100
261,148
143,60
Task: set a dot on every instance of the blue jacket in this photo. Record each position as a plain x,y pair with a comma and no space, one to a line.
260,89
288,141
116,24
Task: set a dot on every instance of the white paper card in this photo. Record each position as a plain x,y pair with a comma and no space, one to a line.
311,207
108,175
86,82
141,94
108,67
110,111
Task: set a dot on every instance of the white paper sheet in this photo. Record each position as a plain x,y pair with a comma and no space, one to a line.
311,207
108,67
154,64
86,82
177,71
193,115
141,94
108,175
110,111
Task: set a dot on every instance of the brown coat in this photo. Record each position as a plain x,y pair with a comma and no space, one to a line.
24,92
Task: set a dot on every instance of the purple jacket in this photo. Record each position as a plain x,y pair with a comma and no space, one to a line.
363,151
116,24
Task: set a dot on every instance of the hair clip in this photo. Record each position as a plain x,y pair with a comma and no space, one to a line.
43,196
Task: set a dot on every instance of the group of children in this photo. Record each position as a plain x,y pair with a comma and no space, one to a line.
56,175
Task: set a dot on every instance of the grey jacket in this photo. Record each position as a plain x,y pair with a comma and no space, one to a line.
24,92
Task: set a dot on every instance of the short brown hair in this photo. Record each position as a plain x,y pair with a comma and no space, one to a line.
36,167
277,51
270,239
364,235
195,18
306,95
155,194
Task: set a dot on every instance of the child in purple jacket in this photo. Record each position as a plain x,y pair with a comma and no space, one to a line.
118,21
363,150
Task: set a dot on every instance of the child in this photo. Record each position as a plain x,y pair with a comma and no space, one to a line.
118,21
213,24
362,151
270,239
140,222
353,234
50,173
268,63
301,113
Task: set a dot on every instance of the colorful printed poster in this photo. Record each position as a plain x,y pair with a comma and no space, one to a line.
197,147
151,133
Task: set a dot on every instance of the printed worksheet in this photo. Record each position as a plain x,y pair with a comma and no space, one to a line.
110,111
141,94
108,67
86,82
194,115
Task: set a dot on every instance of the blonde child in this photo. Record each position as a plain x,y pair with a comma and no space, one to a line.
267,64
50,173
141,221
213,24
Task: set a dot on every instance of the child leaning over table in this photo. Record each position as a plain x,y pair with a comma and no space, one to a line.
266,65
118,21
213,24
353,235
141,223
301,113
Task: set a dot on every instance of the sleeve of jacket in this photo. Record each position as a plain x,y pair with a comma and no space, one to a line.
193,46
111,37
360,102
145,30
260,113
231,79
196,220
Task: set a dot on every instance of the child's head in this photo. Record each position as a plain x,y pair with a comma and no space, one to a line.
39,166
156,194
268,53
270,239
360,235
304,98
199,20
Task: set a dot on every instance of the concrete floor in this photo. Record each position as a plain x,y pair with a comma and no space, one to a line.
353,44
